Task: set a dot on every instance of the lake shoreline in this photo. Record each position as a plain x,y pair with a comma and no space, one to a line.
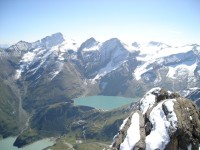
7,144
104,102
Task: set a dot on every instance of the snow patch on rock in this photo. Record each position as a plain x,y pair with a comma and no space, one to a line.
181,70
133,133
148,100
159,136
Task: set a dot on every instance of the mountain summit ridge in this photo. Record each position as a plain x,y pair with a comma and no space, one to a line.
91,68
151,64
162,120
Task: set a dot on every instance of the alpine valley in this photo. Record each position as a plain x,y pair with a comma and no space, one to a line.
39,80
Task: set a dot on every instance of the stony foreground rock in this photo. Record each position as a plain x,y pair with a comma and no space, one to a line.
166,121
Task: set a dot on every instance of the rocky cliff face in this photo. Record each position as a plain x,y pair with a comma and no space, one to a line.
161,120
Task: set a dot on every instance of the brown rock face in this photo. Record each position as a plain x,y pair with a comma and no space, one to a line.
179,116
188,124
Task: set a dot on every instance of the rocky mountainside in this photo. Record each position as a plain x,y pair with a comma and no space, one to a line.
8,110
162,120
65,119
56,69
94,67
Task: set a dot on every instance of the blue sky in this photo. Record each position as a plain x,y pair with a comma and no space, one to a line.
169,21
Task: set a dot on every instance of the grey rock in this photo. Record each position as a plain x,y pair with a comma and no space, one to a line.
183,134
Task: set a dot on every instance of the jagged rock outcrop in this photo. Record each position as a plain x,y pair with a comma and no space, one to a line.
162,120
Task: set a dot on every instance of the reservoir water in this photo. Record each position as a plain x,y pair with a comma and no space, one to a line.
104,102
7,144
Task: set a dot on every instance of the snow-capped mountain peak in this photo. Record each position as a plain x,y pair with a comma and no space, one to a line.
89,45
69,44
40,53
52,40
20,46
150,63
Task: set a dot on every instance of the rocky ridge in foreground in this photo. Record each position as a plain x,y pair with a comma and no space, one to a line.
162,120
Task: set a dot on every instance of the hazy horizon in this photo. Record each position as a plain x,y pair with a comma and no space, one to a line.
171,22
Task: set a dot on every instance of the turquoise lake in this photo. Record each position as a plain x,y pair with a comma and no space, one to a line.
7,144
104,102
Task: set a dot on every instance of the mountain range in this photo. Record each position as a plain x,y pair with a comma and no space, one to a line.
36,78
94,67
